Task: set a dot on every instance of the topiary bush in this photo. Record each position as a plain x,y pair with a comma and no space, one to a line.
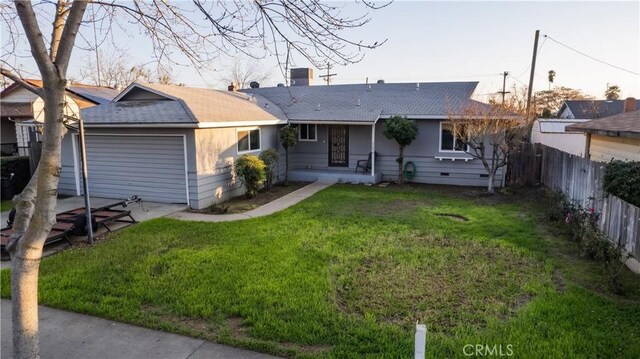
251,171
622,179
270,159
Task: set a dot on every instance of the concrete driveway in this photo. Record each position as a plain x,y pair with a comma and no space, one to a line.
144,212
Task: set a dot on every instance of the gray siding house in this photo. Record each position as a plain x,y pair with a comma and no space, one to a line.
341,124
169,144
178,144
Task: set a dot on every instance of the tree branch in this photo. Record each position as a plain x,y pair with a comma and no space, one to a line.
68,36
17,79
34,36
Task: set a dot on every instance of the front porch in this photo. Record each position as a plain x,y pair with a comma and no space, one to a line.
333,176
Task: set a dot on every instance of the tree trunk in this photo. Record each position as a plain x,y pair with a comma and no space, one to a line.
286,166
490,188
400,163
27,252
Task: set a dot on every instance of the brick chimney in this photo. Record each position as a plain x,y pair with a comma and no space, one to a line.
629,104
233,87
302,76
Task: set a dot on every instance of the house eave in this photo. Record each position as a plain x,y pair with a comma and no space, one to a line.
225,124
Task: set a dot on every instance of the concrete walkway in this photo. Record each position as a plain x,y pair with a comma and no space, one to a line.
265,210
71,335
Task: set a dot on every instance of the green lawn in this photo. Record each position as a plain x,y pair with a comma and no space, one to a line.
6,205
346,274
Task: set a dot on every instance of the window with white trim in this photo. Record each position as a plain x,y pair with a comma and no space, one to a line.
308,132
449,137
248,140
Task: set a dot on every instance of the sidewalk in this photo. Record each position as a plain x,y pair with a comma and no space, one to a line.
265,210
71,335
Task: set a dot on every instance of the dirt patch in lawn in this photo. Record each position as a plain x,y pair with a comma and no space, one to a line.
189,324
243,204
455,217
439,280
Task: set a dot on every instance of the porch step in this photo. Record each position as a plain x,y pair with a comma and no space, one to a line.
333,177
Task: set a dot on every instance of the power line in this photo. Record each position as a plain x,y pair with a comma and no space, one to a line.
589,56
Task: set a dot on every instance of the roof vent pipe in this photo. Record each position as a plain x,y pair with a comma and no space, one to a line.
417,86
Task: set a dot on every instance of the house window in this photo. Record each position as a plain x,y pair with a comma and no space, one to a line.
248,140
449,140
308,132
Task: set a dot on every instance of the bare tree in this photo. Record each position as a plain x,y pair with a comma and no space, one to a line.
489,134
242,74
114,69
312,29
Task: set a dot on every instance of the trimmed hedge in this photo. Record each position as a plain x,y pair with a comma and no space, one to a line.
622,179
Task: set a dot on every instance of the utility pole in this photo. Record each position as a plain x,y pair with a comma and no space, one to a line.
328,76
504,85
533,70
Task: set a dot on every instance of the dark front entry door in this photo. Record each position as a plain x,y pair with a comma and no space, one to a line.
339,146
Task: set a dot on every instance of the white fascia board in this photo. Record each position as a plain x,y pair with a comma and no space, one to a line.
190,125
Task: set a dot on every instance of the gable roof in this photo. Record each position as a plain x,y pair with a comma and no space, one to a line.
84,95
622,125
142,112
364,103
207,105
592,109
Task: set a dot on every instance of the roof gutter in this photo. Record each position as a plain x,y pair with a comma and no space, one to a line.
187,125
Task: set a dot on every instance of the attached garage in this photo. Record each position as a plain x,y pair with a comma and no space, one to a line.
164,143
152,167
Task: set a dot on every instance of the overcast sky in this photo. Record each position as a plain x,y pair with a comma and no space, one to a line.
473,41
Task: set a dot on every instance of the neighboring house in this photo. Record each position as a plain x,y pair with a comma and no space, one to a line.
16,104
592,109
340,125
614,137
169,144
553,132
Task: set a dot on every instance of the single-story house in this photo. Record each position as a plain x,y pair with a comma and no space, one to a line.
17,113
614,137
169,143
554,132
178,144
340,125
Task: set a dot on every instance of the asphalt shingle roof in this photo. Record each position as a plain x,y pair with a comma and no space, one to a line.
138,112
97,94
622,125
592,109
366,103
208,105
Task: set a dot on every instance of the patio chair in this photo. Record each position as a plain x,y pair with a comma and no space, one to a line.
365,164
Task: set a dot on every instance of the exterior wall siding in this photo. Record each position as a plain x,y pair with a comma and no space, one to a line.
604,149
423,152
216,150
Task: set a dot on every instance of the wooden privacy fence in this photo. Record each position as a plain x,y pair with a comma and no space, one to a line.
581,181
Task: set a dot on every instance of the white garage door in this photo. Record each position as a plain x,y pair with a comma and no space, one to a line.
152,167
